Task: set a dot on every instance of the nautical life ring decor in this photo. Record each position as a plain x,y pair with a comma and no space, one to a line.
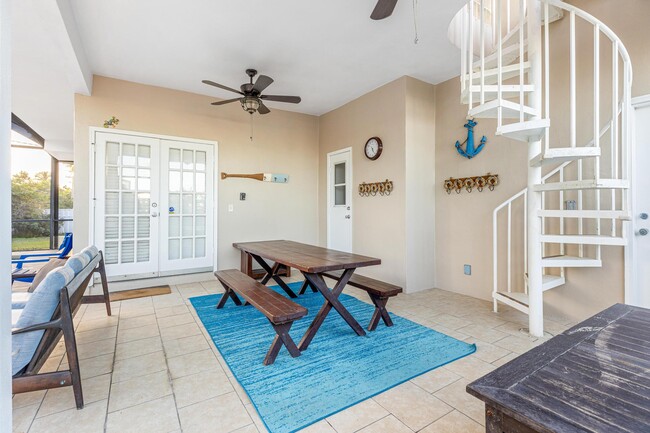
374,188
470,183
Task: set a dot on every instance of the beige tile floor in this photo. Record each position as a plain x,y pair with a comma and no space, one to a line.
151,367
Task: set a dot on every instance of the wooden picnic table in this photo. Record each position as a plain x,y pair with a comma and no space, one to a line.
595,377
312,262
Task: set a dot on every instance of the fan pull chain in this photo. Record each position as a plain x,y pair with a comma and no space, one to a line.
415,21
251,137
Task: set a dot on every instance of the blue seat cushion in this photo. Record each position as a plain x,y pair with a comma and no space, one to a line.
19,299
39,309
15,315
78,262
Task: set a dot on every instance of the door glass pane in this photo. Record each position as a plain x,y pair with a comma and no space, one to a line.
144,184
199,226
112,227
144,156
174,181
128,253
339,195
128,227
144,202
112,153
128,203
188,204
187,226
188,160
174,203
110,251
174,226
128,183
128,154
200,182
188,252
188,181
200,204
199,247
143,251
128,172
112,178
200,161
112,203
144,227
175,159
339,173
174,249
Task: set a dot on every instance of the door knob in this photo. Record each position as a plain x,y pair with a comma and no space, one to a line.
643,232
154,214
347,217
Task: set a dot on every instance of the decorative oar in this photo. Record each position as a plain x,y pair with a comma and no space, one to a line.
262,177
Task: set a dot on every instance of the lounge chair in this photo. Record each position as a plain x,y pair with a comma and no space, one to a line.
62,252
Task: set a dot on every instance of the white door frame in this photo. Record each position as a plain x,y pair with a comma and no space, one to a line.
632,294
91,176
329,191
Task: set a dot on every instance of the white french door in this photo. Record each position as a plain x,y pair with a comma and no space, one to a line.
339,200
154,208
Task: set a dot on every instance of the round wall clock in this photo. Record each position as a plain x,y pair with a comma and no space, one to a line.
373,148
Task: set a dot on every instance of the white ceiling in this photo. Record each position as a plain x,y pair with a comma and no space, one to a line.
328,52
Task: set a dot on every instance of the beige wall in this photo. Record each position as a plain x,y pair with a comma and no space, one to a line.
464,222
379,222
398,228
284,142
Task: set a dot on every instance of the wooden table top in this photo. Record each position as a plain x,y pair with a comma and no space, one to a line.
595,377
304,257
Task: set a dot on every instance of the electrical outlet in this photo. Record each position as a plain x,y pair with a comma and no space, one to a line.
467,269
231,208
242,196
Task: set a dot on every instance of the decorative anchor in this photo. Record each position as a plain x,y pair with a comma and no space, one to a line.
470,152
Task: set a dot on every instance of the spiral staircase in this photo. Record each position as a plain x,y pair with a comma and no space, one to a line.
520,60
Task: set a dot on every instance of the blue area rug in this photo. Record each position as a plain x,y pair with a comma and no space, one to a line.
338,370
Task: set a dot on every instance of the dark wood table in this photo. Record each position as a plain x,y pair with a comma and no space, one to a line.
595,377
311,261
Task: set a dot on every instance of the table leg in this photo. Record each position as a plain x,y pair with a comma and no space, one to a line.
331,301
305,286
273,273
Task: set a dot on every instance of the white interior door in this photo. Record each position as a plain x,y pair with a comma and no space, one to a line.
641,208
154,212
186,205
126,203
339,197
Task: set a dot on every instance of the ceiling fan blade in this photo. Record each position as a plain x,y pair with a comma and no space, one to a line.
384,9
262,83
227,101
278,98
263,109
221,86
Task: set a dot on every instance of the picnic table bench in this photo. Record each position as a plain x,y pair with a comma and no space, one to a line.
280,311
379,292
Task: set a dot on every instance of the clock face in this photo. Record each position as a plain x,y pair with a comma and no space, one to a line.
373,148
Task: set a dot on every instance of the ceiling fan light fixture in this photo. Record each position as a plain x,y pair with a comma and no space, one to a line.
250,105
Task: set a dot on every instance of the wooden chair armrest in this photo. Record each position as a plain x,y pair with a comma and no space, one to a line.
38,327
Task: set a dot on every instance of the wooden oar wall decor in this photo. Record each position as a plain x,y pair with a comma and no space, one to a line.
262,177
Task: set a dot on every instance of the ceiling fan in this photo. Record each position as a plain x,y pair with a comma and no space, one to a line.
251,99
384,9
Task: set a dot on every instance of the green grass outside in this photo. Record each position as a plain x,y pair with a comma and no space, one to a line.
30,244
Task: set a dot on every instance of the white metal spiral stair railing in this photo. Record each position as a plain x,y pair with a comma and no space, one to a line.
511,82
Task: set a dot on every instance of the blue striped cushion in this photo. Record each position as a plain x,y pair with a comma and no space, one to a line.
78,262
39,309
90,252
15,315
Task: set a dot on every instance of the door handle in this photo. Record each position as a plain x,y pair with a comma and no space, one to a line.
347,217
643,232
643,216
154,214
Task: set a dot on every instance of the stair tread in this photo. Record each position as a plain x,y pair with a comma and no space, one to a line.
519,297
583,184
557,155
510,110
530,130
584,239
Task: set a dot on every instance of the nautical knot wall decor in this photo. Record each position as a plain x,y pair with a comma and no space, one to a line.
469,183
372,189
470,151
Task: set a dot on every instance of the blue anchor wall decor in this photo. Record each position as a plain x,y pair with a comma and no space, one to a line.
470,152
